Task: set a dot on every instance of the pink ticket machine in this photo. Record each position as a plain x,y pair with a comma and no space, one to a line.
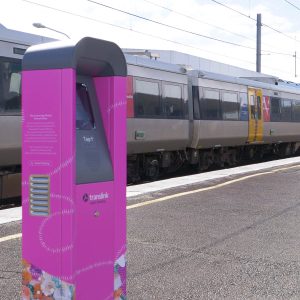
74,171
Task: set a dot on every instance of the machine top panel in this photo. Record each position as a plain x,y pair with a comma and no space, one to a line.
88,56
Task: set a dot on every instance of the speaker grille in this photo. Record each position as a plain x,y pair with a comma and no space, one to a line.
39,195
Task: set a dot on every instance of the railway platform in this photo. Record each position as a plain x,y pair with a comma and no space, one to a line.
230,234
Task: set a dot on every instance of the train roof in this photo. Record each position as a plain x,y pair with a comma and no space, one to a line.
154,64
264,82
249,82
289,83
177,62
195,62
21,38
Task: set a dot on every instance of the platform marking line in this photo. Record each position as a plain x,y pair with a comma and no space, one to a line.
11,237
170,197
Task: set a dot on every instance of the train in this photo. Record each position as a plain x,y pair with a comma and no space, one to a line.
176,117
13,45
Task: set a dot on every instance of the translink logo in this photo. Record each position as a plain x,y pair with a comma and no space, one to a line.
94,197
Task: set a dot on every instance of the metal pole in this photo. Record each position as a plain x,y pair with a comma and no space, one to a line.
295,63
258,44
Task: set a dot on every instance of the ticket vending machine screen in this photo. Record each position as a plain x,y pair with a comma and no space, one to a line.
84,114
93,162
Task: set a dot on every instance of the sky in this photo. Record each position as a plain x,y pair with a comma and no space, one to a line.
147,24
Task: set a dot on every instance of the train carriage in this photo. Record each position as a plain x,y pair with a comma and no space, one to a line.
11,53
158,125
13,45
224,119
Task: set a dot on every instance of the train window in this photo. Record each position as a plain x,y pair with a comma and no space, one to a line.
266,108
244,107
10,86
252,107
230,106
146,99
210,105
275,109
196,92
172,101
296,111
286,110
258,107
185,102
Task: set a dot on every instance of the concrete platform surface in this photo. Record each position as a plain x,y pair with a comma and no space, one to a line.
229,238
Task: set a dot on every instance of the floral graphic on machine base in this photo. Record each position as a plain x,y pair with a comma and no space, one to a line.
120,278
37,284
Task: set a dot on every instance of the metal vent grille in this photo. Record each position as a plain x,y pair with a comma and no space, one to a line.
39,195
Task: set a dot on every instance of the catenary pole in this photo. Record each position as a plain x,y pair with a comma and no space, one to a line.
295,55
258,44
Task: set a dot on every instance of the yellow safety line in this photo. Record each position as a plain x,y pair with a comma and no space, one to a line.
206,188
10,237
19,235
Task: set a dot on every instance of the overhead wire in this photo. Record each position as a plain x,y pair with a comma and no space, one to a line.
159,23
235,10
139,32
220,28
198,20
253,19
179,29
292,4
170,26
183,30
133,30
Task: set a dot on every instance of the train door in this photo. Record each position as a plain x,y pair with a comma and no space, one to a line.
255,131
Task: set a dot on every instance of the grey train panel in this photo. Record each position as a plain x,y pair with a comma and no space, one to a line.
281,94
152,135
10,137
209,134
208,83
248,83
275,132
7,49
